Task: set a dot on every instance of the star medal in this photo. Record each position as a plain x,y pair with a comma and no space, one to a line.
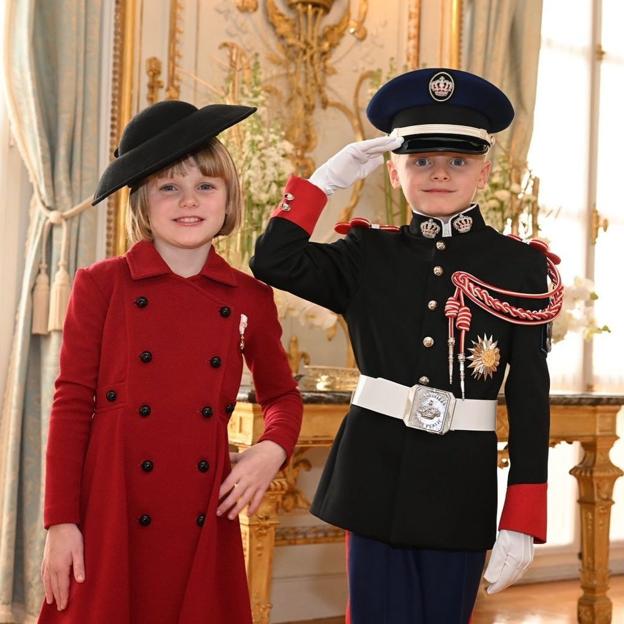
485,357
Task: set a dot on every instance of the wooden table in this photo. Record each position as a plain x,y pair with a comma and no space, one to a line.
587,418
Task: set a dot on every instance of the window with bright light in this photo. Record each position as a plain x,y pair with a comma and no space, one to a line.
560,154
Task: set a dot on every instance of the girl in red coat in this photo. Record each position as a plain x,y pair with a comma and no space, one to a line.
141,501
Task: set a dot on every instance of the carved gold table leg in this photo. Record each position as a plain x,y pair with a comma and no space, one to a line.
258,533
595,476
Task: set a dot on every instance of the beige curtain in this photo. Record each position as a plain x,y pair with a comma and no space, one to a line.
502,43
51,65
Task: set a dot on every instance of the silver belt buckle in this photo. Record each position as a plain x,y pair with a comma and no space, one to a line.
430,410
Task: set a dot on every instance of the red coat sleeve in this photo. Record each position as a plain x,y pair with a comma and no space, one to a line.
73,405
276,390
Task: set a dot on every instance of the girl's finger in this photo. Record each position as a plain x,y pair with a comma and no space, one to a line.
234,457
78,565
231,500
241,504
255,501
229,483
47,585
63,585
56,590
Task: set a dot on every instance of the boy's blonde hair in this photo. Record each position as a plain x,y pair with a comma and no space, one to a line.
214,161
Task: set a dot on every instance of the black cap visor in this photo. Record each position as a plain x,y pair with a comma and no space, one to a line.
415,143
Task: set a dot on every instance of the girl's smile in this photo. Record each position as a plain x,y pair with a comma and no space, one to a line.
186,211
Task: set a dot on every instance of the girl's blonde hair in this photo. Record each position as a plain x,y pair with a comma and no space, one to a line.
214,161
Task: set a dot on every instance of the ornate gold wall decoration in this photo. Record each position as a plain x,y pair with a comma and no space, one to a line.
306,47
293,498
413,34
121,112
174,54
457,10
356,26
153,67
247,6
598,223
295,356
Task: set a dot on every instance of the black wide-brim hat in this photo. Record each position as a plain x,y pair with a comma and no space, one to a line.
441,109
162,134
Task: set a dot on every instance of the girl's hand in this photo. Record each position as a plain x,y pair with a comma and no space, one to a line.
252,473
63,551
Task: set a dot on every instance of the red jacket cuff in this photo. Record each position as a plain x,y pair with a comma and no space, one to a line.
525,510
302,203
58,514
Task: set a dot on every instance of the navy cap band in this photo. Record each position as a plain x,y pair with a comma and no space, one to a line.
436,114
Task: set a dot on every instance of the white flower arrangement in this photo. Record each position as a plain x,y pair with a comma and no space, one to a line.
577,313
509,201
262,156
261,153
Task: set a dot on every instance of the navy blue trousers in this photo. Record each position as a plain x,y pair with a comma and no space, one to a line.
390,585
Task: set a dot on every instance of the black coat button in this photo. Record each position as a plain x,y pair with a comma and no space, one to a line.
200,520
225,311
229,408
111,396
141,302
203,466
147,465
146,357
206,411
145,520
215,362
145,410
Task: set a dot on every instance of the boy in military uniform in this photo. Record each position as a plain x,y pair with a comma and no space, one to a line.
436,310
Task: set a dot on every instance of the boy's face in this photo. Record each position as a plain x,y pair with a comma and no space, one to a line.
439,184
186,210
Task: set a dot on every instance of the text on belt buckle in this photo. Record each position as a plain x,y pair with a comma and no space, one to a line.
431,409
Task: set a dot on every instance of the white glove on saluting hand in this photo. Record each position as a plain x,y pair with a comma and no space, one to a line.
511,556
353,162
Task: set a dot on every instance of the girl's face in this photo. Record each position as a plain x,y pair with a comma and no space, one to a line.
439,184
186,211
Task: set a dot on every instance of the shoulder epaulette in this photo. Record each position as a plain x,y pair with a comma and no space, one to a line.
361,222
540,245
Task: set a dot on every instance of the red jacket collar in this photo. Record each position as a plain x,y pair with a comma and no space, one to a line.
145,261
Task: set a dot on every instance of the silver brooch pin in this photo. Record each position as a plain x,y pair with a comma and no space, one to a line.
430,229
463,224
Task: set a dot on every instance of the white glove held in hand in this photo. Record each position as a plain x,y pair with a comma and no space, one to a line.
511,556
353,162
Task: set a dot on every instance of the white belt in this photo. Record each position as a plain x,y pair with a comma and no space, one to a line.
422,407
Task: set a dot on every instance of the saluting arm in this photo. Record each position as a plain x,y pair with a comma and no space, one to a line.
326,274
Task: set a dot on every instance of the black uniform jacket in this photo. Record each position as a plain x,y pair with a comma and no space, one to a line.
386,481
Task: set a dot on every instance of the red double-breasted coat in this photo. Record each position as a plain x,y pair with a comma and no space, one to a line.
151,364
